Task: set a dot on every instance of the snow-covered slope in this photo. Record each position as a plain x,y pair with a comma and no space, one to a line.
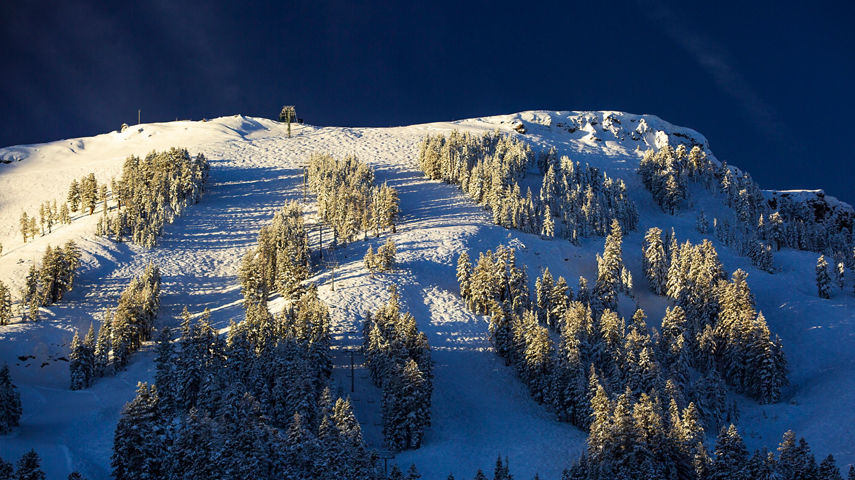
480,409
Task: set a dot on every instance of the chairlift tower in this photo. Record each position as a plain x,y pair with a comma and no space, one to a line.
287,115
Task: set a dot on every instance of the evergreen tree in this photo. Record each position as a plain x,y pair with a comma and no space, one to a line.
75,365
702,224
823,279
74,195
502,472
548,230
828,469
731,456
29,467
164,376
655,261
609,268
396,473
102,347
385,258
412,473
10,402
64,214
5,304
464,273
89,192
370,260
137,448
7,471
795,461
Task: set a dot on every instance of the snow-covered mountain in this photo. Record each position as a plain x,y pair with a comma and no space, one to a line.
480,409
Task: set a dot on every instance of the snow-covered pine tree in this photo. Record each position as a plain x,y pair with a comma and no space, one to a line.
64,214
828,469
702,225
7,471
731,456
5,304
164,376
795,460
74,195
89,192
103,345
464,273
138,447
29,467
385,258
369,260
543,287
548,230
75,365
609,268
559,300
761,255
406,408
655,261
10,402
823,279
25,226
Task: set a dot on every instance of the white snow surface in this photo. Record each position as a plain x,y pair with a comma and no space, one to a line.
480,409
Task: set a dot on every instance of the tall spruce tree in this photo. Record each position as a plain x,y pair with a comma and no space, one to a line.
823,279
29,467
137,448
10,402
5,304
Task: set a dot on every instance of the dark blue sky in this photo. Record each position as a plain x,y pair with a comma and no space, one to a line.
770,85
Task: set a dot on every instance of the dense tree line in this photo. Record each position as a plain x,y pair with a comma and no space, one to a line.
756,225
10,402
49,282
641,440
717,320
667,172
398,357
348,199
280,262
574,200
257,404
151,192
82,196
120,335
618,378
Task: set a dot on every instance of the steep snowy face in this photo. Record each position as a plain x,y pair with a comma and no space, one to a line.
614,133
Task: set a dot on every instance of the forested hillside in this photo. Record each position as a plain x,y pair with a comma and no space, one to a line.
578,294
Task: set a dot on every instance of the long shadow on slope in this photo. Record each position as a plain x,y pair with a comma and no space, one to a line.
238,200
